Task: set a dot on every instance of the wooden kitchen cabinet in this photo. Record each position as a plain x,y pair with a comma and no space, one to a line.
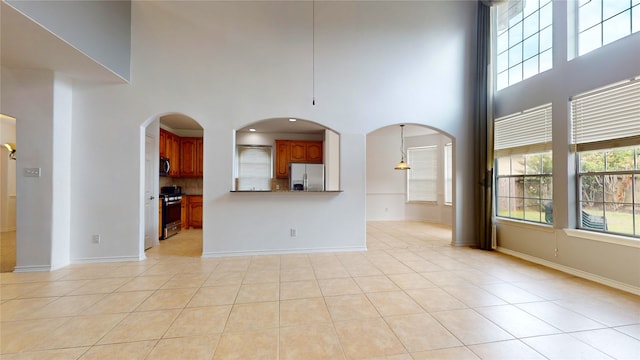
199,157
191,154
188,155
163,143
194,211
184,153
298,151
313,152
282,159
172,151
184,219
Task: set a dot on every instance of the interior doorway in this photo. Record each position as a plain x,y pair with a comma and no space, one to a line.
423,193
8,162
178,144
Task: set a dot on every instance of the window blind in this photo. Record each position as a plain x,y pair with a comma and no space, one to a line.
254,168
423,175
606,115
523,132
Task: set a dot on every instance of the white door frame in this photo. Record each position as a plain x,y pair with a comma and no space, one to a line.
150,127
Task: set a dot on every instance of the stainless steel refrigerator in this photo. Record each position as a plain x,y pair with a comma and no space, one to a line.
306,177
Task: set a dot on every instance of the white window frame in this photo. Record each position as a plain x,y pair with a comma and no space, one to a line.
607,120
522,136
522,40
424,171
608,26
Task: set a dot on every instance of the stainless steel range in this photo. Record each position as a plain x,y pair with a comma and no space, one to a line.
171,211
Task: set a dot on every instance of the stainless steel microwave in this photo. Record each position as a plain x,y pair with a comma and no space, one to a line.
165,166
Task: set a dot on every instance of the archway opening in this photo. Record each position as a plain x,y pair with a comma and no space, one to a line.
173,186
267,153
426,192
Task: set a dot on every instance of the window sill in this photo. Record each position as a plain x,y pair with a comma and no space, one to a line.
524,224
602,237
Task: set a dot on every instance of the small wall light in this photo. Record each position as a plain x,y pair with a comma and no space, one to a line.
12,150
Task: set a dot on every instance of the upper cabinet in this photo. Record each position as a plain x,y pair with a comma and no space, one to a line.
185,154
297,151
199,157
163,143
190,157
170,142
313,151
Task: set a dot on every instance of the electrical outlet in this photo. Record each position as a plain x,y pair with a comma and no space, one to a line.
292,232
96,239
32,172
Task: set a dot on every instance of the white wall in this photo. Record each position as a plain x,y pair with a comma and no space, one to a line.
28,96
61,167
229,64
608,261
100,29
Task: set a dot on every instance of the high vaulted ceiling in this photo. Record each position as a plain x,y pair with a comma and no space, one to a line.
27,45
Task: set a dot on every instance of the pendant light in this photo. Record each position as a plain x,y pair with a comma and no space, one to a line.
402,165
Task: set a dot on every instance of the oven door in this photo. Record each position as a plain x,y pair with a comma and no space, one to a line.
171,218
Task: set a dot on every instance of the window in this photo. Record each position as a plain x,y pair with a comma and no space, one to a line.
523,40
254,168
606,134
448,174
524,182
600,22
422,178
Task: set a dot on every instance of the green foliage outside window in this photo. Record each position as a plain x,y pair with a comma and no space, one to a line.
524,187
609,182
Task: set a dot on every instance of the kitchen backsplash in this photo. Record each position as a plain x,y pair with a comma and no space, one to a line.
190,186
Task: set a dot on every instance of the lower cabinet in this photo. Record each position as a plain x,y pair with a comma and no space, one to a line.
184,220
194,210
191,211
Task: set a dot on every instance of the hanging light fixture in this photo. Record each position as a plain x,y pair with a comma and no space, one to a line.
402,165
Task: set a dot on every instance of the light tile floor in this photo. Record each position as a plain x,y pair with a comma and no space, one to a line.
411,296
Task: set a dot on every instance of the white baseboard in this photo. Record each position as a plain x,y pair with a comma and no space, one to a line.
106,259
569,270
282,251
32,268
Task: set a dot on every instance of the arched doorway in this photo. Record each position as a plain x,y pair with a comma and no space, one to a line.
169,224
426,192
7,193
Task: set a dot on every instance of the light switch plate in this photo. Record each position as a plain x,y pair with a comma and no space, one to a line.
32,172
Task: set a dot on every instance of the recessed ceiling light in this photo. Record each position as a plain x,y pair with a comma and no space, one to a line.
252,130
292,119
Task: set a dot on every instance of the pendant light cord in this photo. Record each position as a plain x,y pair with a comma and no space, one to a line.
402,142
